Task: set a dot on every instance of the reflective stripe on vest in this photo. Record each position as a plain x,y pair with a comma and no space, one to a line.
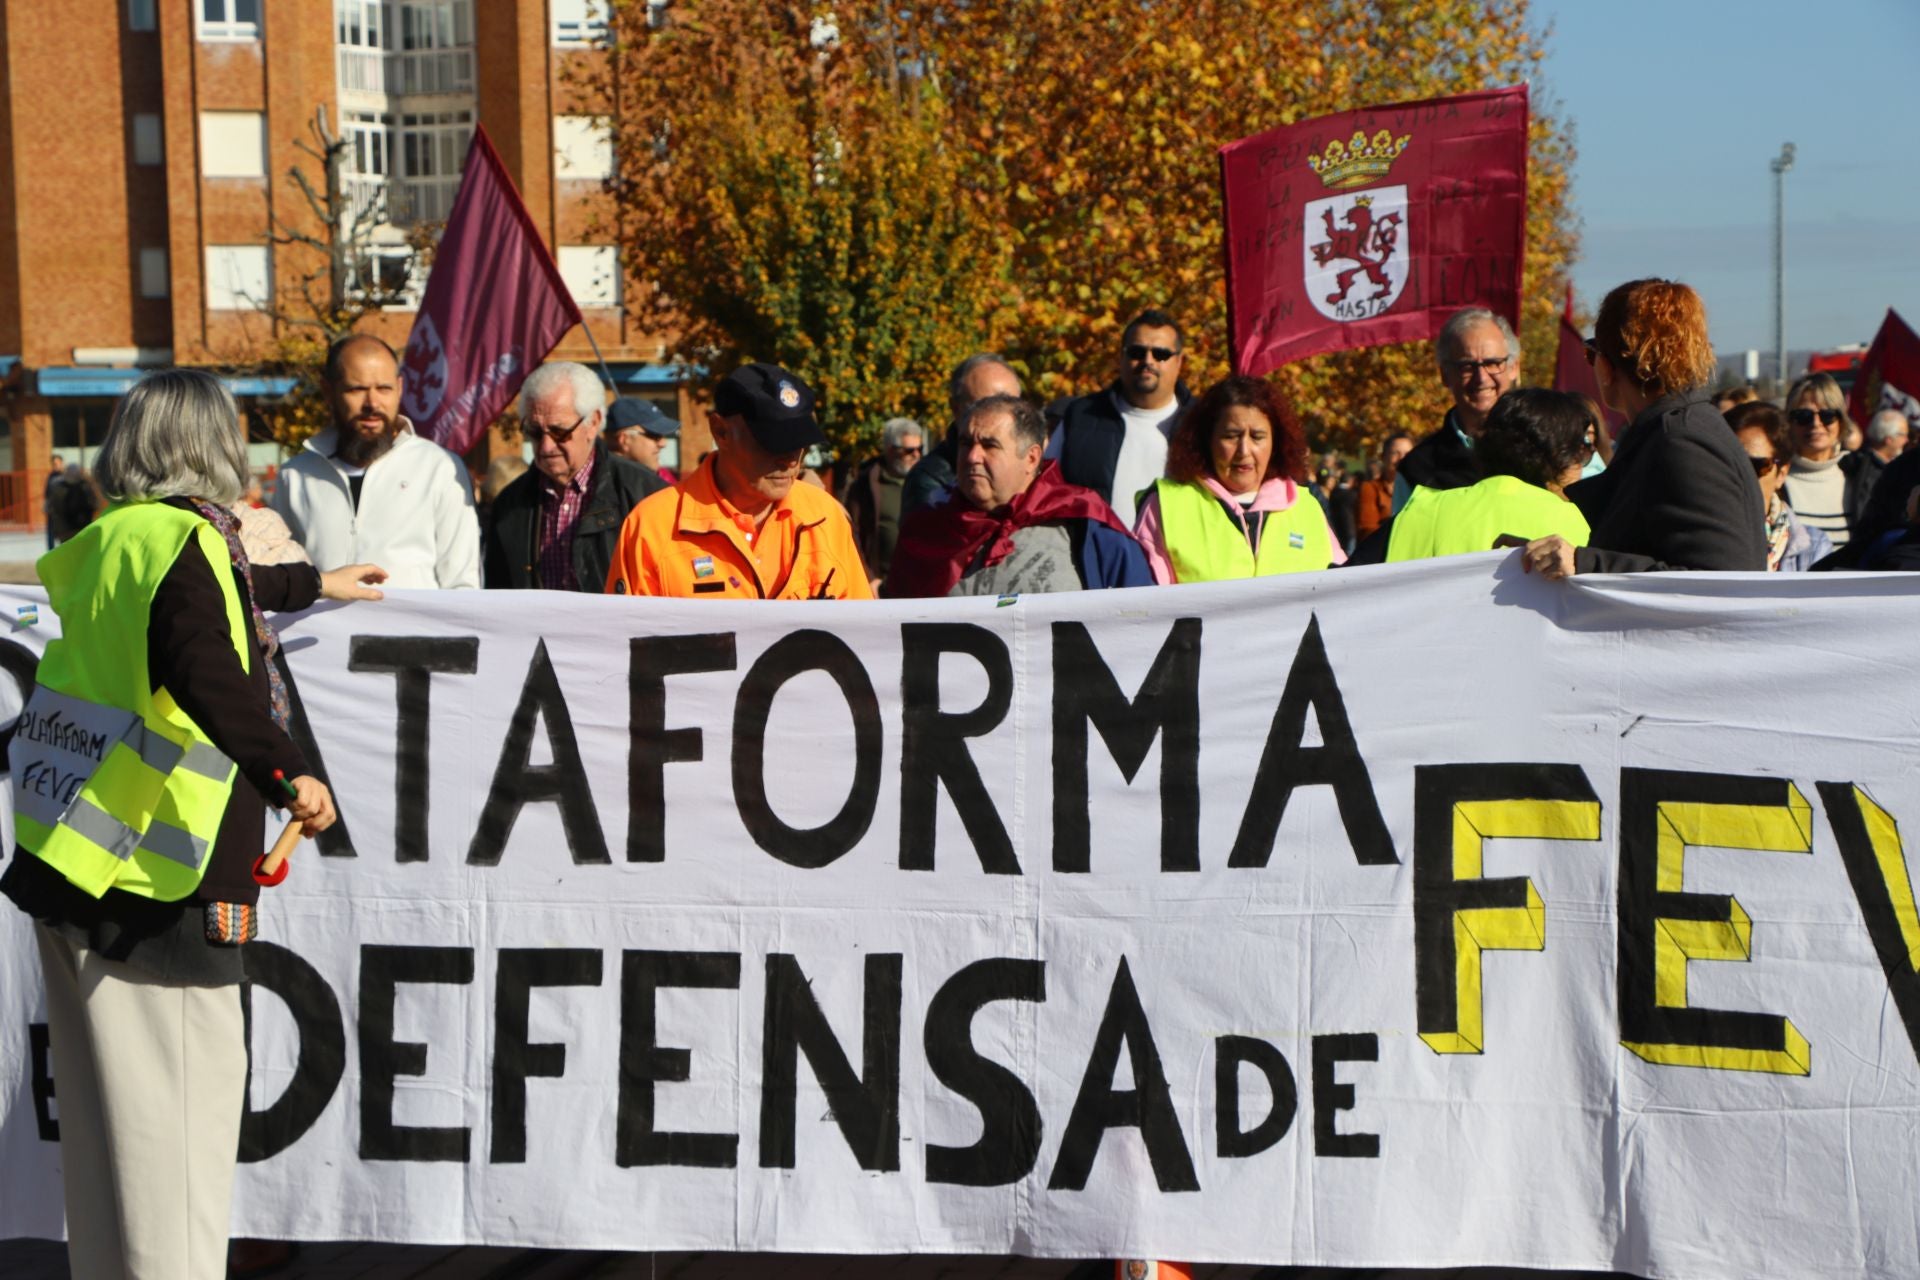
115,786
1452,522
1205,544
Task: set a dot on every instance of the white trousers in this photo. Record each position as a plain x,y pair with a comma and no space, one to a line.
149,1078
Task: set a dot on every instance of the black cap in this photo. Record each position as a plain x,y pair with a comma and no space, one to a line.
631,411
777,406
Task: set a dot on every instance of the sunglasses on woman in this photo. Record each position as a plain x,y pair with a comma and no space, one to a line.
1762,466
1805,417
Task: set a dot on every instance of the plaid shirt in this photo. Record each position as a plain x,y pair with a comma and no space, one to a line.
559,512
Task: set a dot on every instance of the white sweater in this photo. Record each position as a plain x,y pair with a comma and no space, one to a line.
416,518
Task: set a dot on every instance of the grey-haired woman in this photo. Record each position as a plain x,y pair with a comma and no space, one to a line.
137,864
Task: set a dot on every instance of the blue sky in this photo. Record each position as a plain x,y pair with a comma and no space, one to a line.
1677,109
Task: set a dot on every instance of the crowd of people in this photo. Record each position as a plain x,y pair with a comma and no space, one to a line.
140,885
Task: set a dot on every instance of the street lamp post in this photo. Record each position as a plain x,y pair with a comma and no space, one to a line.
1781,163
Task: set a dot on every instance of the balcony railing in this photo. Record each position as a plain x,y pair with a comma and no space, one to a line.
422,199
431,71
362,70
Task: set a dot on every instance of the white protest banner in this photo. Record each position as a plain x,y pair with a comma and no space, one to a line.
1425,915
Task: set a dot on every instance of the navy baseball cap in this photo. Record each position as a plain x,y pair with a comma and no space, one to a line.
632,411
777,406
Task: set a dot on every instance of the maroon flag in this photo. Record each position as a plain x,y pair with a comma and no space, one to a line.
1889,377
494,307
1374,226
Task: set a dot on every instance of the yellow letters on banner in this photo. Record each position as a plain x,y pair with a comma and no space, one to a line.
1784,828
1891,858
1478,929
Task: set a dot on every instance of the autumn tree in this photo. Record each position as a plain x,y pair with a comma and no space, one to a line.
1077,151
796,193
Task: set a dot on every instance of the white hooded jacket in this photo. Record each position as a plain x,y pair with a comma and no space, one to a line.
416,518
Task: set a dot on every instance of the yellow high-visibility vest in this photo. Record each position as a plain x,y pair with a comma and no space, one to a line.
114,785
1453,522
1205,544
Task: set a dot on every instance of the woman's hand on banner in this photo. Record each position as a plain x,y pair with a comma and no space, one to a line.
1551,557
353,582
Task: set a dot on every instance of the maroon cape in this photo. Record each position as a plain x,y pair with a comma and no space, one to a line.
938,544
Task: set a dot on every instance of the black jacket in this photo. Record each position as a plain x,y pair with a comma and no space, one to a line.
1863,470
932,476
1441,461
513,527
1679,494
1090,434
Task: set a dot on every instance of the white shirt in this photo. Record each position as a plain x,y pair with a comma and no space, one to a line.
1143,452
415,518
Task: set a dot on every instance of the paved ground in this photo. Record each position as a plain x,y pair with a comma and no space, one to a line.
18,551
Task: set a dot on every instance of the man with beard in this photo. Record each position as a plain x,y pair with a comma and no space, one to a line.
741,527
367,490
1114,441
872,496
1479,359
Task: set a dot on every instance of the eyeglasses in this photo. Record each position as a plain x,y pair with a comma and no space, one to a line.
1805,417
1467,368
559,435
1762,466
1139,351
909,450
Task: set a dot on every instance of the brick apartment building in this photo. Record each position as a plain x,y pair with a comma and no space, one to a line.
145,143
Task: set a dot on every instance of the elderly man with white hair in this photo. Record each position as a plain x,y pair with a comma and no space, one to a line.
556,526
873,493
1887,435
1479,361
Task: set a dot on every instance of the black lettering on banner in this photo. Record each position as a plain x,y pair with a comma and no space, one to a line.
1229,1054
1662,812
1457,808
651,745
933,743
382,1058
41,1049
320,1062
1148,1106
518,971
517,782
1167,707
866,1106
1876,863
1286,765
1010,1127
23,665
785,658
412,660
1330,1097
645,1062
337,840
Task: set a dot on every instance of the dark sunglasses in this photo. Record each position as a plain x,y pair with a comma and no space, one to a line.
559,435
1590,350
1762,466
1805,417
1139,351
909,450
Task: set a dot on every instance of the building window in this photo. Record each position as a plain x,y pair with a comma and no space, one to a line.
579,22
369,164
436,48
233,144
390,274
147,148
139,15
360,37
582,147
431,151
229,19
592,274
239,277
153,273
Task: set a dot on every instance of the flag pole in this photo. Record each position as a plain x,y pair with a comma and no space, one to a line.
594,343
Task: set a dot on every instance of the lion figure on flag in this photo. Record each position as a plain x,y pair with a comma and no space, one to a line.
1367,243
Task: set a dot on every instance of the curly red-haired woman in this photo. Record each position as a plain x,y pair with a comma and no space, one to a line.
1679,493
1234,502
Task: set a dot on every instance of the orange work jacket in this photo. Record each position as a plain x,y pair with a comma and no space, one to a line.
688,541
